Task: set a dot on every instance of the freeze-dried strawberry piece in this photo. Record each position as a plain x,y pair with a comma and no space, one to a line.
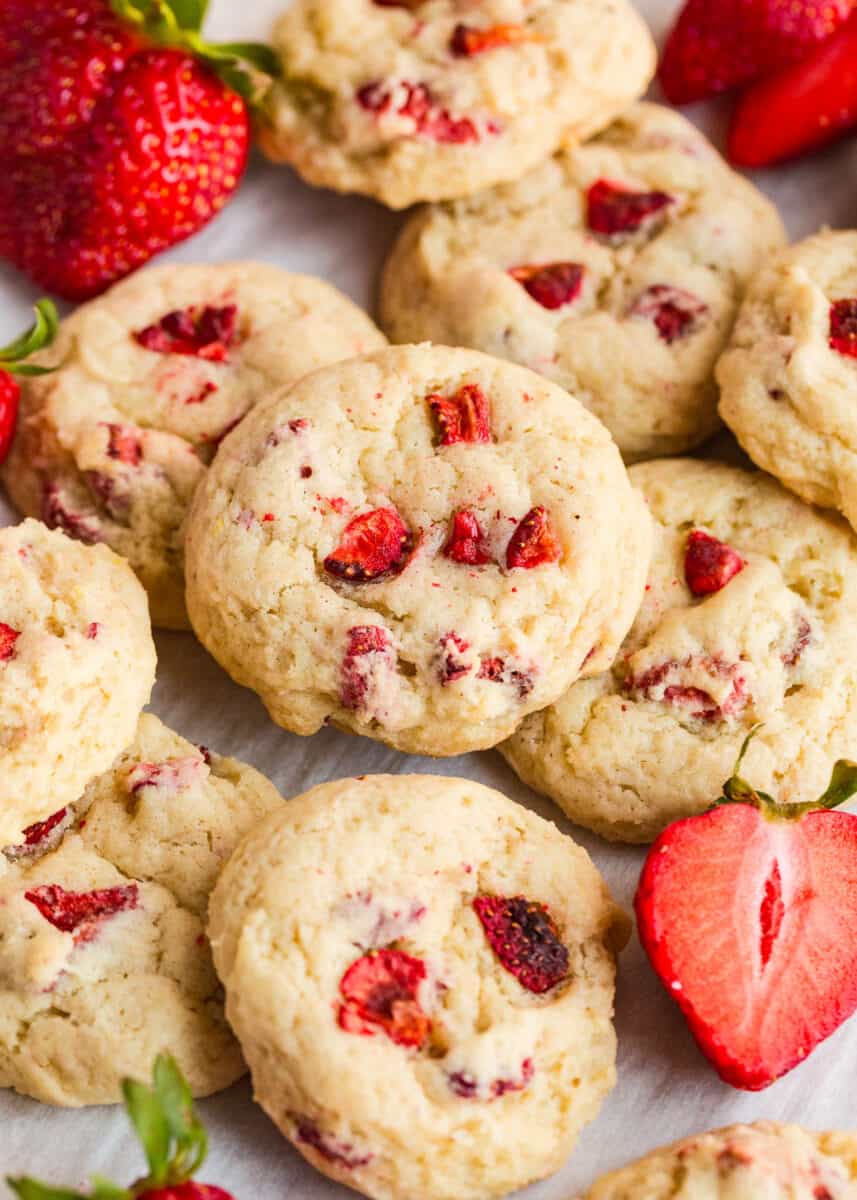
173,774
709,564
329,1147
524,936
675,314
464,417
80,913
40,837
57,515
803,637
124,445
467,1086
613,208
380,995
553,285
663,684
373,545
466,40
8,638
452,667
416,102
498,671
466,541
843,327
533,543
205,333
34,835
368,660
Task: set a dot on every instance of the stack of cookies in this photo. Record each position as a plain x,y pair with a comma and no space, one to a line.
468,537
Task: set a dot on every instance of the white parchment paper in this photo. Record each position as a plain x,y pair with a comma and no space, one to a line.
665,1089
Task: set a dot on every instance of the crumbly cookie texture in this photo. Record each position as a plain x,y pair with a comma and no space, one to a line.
641,240
429,101
103,957
746,619
789,379
154,373
422,546
77,664
763,1161
421,974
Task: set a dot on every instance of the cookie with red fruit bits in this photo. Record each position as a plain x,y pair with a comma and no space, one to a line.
422,545
154,373
408,101
642,241
77,665
763,1161
103,956
789,378
746,619
420,973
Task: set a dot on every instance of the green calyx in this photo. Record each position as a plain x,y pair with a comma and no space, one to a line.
246,67
40,334
173,1140
842,786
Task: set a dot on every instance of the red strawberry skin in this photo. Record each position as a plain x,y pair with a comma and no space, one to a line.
719,44
751,925
187,1191
533,544
709,564
374,545
553,285
801,108
10,395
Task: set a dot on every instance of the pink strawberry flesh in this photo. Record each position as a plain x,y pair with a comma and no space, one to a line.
524,936
80,913
533,544
613,208
8,638
462,417
380,995
709,564
372,546
843,327
751,925
206,332
676,314
466,541
553,285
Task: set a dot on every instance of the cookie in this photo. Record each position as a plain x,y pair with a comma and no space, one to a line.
746,619
103,958
763,1161
422,546
77,664
420,974
642,240
789,379
154,373
428,101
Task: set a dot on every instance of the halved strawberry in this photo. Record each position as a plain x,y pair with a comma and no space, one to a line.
533,543
748,914
843,327
613,208
80,913
553,285
373,545
709,564
466,541
467,40
8,638
462,417
524,936
380,995
676,314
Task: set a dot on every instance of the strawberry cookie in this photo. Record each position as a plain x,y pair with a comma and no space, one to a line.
112,445
423,546
103,958
406,100
641,240
77,664
764,1161
789,379
747,618
420,974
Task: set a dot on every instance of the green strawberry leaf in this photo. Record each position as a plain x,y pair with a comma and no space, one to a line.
187,1133
842,786
41,333
31,1189
150,1122
189,14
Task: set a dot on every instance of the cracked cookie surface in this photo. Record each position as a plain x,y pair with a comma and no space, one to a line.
421,975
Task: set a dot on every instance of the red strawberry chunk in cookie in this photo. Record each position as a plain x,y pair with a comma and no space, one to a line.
553,285
380,995
373,545
843,327
613,208
464,417
468,1087
524,936
803,637
81,913
675,314
34,835
533,543
466,541
709,564
497,670
174,774
369,658
329,1147
665,684
452,666
466,41
8,638
416,103
56,514
124,445
206,333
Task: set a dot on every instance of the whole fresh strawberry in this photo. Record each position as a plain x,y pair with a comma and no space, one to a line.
174,1142
122,132
719,44
13,362
748,914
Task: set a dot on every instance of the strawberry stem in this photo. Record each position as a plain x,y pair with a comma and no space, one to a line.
842,786
40,334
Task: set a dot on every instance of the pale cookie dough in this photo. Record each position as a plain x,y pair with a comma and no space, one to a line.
789,379
93,987
111,447
77,664
429,101
422,546
420,974
764,1161
630,321
765,637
